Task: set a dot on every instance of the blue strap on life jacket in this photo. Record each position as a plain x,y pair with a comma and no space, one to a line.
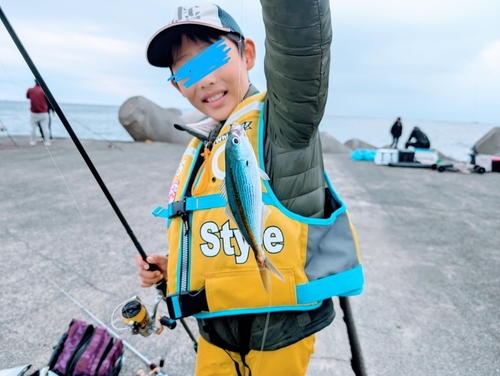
177,208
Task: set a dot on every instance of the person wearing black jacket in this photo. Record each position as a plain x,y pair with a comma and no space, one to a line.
421,140
396,130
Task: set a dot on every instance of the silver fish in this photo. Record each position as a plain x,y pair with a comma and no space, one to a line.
241,188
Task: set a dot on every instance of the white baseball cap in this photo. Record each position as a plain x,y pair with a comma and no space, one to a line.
210,15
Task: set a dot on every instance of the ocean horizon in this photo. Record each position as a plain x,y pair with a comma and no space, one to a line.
100,122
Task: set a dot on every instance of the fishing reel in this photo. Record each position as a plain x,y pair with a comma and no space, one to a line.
136,316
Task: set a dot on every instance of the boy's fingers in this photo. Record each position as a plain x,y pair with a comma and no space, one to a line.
139,261
146,274
148,282
149,278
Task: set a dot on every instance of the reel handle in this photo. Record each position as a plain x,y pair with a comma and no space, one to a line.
168,322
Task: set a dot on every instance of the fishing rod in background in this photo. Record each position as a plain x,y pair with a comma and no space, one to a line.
134,312
4,128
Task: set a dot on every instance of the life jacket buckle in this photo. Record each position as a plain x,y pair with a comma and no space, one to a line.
178,208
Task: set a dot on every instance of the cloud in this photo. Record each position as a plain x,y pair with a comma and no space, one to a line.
490,58
80,61
57,48
408,12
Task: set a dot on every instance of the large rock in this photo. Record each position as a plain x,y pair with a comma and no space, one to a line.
354,144
330,144
145,120
489,143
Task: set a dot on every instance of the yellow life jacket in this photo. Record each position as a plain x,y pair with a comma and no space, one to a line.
212,271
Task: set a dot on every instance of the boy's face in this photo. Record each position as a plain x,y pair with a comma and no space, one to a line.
218,93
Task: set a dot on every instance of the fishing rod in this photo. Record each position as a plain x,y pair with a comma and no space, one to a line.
161,286
4,128
150,364
71,133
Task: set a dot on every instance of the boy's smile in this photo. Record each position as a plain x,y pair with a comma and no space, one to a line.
218,93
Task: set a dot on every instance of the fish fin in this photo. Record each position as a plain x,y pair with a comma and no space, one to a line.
265,278
270,266
263,174
223,190
265,214
229,214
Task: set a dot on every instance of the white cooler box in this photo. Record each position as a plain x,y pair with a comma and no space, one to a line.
485,161
385,156
426,156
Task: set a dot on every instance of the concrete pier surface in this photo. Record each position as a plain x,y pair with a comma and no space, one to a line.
429,241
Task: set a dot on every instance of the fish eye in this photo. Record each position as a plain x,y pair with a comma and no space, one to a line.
236,140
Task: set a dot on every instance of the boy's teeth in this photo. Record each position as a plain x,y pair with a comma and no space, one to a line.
215,97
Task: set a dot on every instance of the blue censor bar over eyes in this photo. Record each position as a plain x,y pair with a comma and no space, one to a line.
201,65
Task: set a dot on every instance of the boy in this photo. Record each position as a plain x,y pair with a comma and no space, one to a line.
207,256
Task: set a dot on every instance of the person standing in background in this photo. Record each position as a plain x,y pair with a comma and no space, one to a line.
39,114
396,131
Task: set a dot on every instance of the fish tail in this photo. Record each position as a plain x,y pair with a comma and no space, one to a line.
264,269
265,278
268,265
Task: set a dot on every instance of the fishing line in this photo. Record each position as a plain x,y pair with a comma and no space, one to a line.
94,242
264,335
10,78
110,143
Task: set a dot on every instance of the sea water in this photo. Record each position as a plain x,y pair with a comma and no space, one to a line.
97,122
93,122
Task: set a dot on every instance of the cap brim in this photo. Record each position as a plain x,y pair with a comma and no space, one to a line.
155,48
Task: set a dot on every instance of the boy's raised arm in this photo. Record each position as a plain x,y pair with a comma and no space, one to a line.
297,65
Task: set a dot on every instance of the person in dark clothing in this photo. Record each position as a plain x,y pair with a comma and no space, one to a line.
396,130
421,140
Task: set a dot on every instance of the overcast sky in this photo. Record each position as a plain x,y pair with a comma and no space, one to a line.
420,59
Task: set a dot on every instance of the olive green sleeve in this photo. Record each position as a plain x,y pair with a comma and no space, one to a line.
297,62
